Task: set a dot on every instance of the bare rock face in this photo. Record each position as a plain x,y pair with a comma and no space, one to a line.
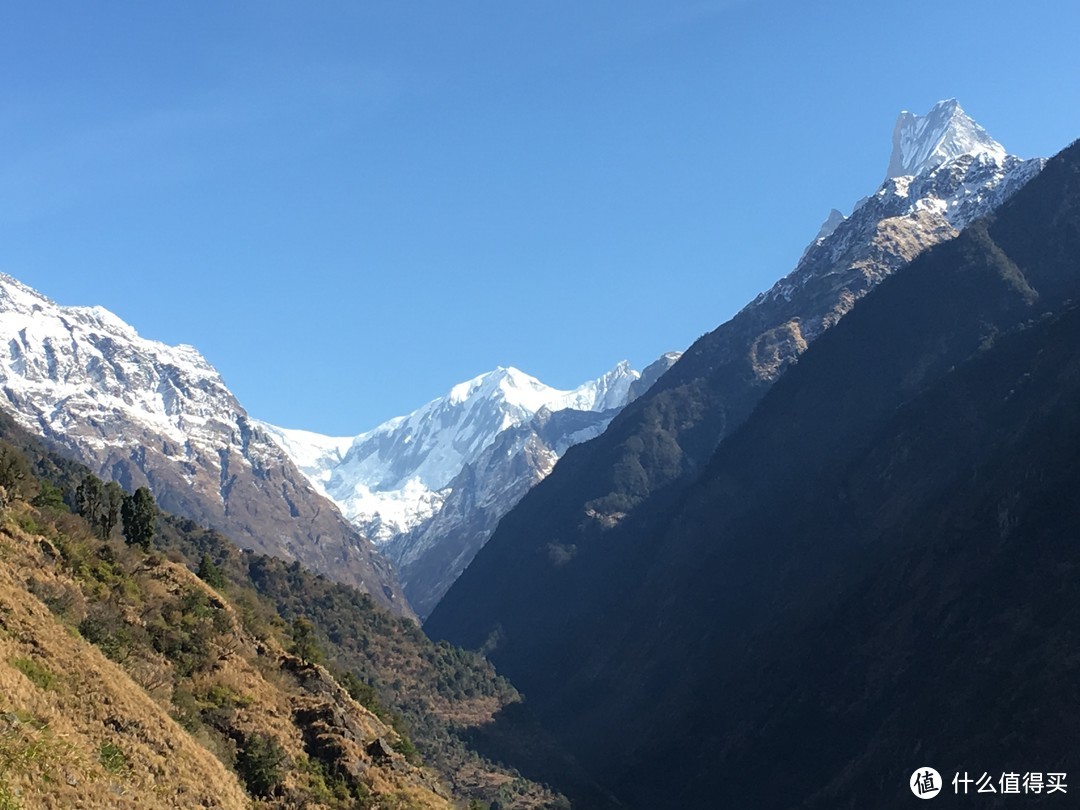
144,413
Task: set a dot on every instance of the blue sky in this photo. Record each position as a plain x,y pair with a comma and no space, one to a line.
350,206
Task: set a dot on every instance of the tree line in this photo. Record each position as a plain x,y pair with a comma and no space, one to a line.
104,505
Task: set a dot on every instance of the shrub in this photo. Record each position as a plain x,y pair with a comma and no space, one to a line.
360,691
405,747
259,763
49,497
105,629
14,470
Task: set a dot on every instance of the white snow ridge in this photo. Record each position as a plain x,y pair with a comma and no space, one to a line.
391,478
66,366
922,142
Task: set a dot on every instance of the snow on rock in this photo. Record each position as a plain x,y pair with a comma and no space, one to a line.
314,454
62,366
148,414
945,171
923,142
390,478
433,552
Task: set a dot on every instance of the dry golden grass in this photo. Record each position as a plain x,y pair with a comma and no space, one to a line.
78,731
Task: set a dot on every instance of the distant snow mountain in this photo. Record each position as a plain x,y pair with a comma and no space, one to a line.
945,171
434,483
388,479
921,143
556,594
145,413
431,555
431,487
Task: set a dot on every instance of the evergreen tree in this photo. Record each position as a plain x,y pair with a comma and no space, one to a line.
260,762
139,514
49,496
210,573
111,502
88,499
14,469
304,645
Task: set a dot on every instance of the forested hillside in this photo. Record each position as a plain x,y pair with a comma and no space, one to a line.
291,688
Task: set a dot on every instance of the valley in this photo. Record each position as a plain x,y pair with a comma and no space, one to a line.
827,543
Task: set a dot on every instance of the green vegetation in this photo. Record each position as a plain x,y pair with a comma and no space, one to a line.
210,574
328,787
40,675
14,470
405,747
112,758
260,764
49,496
170,635
8,801
27,749
424,690
304,645
139,513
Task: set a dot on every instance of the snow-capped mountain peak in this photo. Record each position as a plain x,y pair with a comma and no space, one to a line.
923,142
944,173
517,389
389,478
142,412
612,390
100,368
506,384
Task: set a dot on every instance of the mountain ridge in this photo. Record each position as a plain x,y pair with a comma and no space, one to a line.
700,589
148,414
820,504
433,484
390,476
924,142
197,629
590,513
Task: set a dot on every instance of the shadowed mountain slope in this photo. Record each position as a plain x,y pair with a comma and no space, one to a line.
660,442
795,623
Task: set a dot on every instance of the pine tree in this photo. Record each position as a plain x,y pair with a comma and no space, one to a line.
210,573
139,514
88,499
14,469
111,502
304,645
